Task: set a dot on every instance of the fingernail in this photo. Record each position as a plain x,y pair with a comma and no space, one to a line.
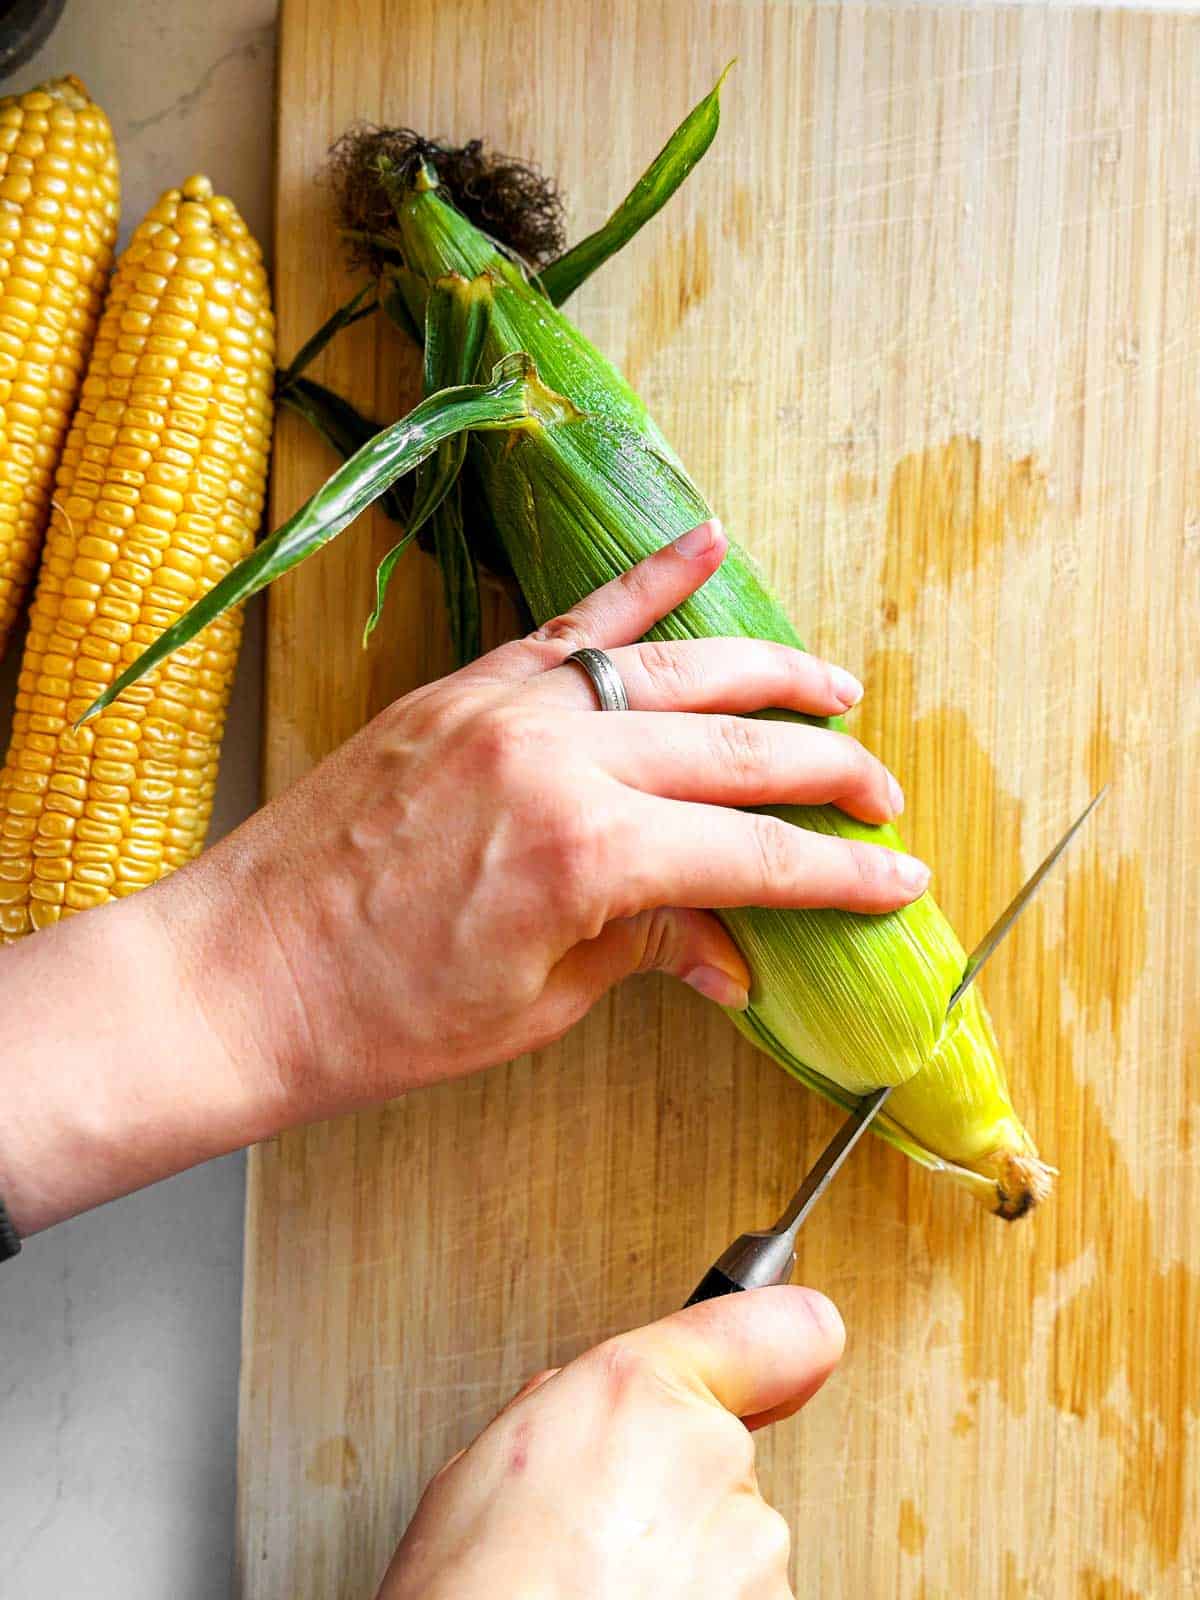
716,985
895,795
698,541
826,1316
913,874
847,687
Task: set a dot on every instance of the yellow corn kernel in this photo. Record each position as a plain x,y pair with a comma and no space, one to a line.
159,490
58,224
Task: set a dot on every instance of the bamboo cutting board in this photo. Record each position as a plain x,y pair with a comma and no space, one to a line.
924,325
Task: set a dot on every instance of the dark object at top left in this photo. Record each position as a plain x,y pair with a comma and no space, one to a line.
25,25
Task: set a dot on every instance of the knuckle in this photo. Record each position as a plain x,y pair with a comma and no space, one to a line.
771,844
857,770
854,758
668,667
525,978
569,629
575,848
782,659
636,580
657,939
431,709
617,1366
740,745
502,742
870,866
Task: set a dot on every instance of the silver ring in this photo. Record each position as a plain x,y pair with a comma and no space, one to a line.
604,678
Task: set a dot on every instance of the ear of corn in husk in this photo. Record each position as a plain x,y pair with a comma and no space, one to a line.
578,485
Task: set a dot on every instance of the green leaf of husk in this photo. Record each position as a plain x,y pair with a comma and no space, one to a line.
338,422
647,197
432,488
508,401
457,313
363,304
460,577
342,427
403,294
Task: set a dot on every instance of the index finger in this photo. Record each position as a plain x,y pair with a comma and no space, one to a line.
753,1352
617,613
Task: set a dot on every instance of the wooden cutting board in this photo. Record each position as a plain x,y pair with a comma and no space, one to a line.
924,325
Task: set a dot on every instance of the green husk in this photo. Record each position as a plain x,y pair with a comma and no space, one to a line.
514,398
645,200
586,487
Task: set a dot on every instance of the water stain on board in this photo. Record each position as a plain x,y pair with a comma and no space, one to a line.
1124,1343
335,1464
1013,1586
1106,905
910,1530
946,510
678,282
1136,1320
1092,1586
740,215
961,821
1133,1326
852,489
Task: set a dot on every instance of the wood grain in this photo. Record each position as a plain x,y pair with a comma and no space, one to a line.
924,324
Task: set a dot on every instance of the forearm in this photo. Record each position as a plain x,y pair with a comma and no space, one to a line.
115,1069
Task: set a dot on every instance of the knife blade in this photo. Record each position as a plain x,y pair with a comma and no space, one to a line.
767,1256
999,929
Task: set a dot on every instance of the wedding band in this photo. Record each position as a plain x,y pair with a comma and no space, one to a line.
604,678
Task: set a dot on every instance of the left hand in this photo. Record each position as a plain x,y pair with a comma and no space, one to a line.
464,879
458,884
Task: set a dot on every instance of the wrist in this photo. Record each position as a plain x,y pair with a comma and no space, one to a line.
221,958
112,1070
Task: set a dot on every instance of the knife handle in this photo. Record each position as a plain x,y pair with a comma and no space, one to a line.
712,1286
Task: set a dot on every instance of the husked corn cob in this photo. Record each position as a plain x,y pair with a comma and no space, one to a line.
58,223
159,493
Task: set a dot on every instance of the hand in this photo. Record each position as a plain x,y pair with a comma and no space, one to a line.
472,871
465,877
457,885
627,1475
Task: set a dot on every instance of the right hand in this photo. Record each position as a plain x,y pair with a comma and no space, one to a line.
628,1475
465,877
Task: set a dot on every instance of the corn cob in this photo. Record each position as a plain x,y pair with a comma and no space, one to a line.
587,487
159,493
58,223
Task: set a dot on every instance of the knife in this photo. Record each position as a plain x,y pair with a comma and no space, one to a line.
768,1256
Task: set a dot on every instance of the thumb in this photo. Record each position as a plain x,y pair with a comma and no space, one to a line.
691,945
759,1354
